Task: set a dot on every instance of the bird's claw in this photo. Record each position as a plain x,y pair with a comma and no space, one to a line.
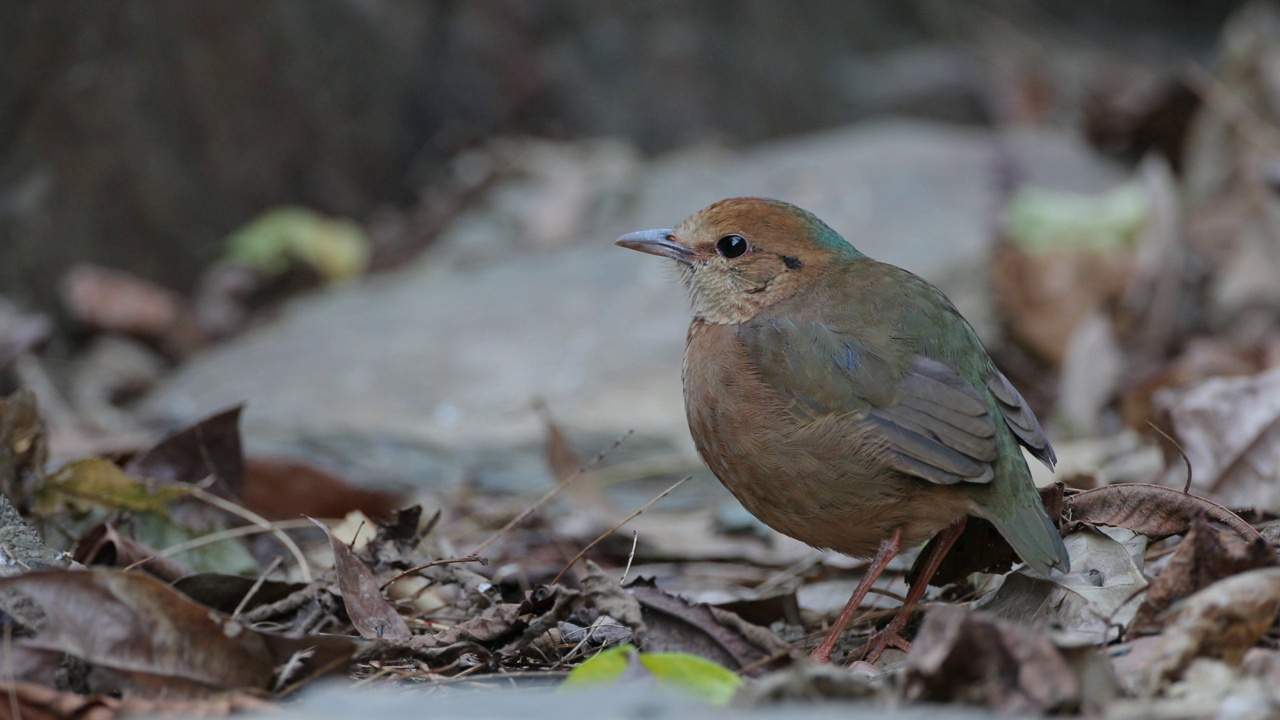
888,638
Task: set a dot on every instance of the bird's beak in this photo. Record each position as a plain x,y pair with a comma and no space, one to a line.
656,242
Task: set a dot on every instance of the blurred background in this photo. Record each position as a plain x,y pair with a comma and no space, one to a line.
386,225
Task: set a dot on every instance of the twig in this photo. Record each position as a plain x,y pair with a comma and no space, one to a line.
433,563
635,540
258,520
651,466
288,603
1186,489
320,672
257,585
560,486
787,574
624,521
228,534
588,633
292,665
354,536
763,661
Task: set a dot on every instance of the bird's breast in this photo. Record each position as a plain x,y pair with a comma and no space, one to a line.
819,480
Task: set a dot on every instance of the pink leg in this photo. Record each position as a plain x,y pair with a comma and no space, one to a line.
888,548
891,636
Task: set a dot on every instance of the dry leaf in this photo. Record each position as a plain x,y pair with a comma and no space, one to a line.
207,448
144,631
225,592
1152,510
1220,622
504,630
604,595
116,301
104,545
1201,358
400,534
23,448
494,626
1207,554
977,658
675,625
564,464
1090,604
279,489
1230,430
36,702
373,617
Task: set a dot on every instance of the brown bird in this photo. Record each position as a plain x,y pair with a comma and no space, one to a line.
846,402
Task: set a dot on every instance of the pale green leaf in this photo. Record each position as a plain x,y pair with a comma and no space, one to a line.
690,673
337,248
1039,220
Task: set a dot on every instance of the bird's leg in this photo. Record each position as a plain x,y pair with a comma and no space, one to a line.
891,636
888,548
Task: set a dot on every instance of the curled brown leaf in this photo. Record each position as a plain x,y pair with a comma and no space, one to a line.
1206,555
370,612
1152,510
141,629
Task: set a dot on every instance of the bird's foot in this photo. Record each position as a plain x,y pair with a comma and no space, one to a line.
820,657
890,637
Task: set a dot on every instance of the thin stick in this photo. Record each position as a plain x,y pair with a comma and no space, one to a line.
258,520
624,521
288,603
257,585
228,534
767,659
1186,489
787,574
433,563
354,536
651,466
519,518
319,672
635,540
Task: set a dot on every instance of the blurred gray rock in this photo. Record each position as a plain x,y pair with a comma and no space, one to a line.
535,699
434,368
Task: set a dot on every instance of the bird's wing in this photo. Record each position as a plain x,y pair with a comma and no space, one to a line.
1020,419
930,422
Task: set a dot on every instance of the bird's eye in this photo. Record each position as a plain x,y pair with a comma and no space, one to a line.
731,246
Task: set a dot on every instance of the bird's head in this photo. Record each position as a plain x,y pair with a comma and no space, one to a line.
739,256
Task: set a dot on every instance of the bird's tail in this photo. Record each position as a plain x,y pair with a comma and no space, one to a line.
1020,517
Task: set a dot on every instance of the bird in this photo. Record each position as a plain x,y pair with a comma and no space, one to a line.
846,402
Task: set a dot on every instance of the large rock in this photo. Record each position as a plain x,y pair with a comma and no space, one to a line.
420,372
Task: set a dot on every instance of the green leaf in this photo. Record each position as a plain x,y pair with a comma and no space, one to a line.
337,248
1040,220
690,673
710,681
230,556
605,666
